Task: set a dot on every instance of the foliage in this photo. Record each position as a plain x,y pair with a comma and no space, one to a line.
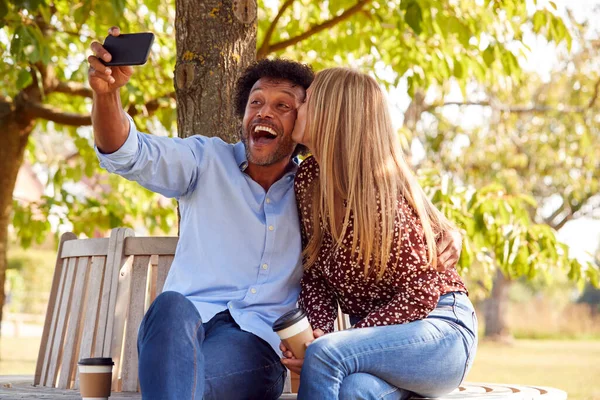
427,44
79,193
29,279
531,159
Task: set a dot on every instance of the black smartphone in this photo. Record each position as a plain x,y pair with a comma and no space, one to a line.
128,48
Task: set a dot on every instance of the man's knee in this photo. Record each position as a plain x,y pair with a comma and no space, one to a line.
171,314
172,305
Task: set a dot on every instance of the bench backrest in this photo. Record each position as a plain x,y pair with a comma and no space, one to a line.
100,292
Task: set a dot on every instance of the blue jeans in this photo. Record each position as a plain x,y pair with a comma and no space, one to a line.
429,357
182,358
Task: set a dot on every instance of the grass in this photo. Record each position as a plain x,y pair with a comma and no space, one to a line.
18,355
573,366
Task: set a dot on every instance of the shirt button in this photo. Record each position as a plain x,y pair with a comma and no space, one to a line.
268,200
265,266
253,290
231,306
271,227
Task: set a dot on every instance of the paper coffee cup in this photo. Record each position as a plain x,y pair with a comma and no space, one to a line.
95,378
294,330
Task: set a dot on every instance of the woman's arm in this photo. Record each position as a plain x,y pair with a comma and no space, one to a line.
318,299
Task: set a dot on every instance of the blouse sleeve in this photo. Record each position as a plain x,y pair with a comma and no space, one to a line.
318,300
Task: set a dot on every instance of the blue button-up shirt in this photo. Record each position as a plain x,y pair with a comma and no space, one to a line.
239,246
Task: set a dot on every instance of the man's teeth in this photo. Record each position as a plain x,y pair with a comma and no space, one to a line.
265,129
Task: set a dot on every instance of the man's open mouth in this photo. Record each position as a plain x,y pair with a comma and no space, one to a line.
263,134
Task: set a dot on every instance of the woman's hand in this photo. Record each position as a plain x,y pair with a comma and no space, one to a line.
449,245
290,361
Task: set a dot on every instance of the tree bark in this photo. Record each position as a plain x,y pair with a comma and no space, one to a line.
14,132
496,327
216,41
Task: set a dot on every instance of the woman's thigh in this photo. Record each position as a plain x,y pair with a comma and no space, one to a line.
428,356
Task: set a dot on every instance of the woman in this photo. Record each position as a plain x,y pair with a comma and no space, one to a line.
369,246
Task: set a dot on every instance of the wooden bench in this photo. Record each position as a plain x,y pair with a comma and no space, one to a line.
100,292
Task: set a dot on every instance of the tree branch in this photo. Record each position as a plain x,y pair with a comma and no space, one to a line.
317,28
555,214
150,106
263,50
37,110
595,96
74,88
574,208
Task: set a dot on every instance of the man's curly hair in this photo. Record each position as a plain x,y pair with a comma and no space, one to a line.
295,72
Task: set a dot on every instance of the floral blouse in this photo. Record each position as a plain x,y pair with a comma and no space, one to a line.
409,289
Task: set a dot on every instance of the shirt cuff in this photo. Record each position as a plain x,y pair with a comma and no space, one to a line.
125,156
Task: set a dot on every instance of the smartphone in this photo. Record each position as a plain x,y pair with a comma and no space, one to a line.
128,48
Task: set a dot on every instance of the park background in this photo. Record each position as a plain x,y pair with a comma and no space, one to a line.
495,102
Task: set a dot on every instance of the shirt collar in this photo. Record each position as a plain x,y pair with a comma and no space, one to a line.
239,152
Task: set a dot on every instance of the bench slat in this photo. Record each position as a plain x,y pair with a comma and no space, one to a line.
54,324
120,319
164,265
114,262
59,337
139,276
146,246
73,335
92,304
85,248
49,322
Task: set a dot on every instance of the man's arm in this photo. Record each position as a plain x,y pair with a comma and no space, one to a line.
164,165
111,126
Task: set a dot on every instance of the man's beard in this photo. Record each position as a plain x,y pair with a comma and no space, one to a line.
284,149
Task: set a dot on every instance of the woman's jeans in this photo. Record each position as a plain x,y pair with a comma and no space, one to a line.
182,358
429,357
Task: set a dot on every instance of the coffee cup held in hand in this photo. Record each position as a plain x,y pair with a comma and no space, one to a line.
294,330
95,378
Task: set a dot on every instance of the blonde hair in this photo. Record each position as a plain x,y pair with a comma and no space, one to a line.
361,163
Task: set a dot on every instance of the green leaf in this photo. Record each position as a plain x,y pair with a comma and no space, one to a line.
414,17
3,12
539,21
24,79
489,55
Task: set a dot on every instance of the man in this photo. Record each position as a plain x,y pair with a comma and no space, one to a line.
237,266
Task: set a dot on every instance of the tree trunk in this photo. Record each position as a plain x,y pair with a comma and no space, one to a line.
14,133
214,45
496,327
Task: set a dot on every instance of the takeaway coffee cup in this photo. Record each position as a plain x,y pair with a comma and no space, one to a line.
95,378
294,330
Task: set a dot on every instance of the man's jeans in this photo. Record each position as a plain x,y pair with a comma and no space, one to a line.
182,358
429,357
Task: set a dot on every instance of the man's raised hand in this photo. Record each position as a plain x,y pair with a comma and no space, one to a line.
104,79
